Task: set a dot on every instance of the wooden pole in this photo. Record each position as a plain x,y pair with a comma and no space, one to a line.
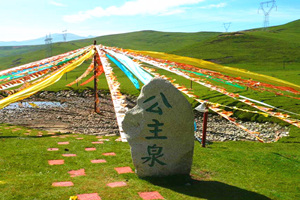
205,115
96,97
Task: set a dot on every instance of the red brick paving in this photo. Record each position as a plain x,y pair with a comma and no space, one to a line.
106,140
74,173
150,195
92,196
123,170
62,143
63,184
109,154
69,155
56,162
98,142
90,149
117,184
52,149
98,161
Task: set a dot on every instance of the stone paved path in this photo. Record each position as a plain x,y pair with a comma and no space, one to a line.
82,172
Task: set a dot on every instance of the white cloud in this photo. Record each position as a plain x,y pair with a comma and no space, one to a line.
134,7
57,4
220,5
173,12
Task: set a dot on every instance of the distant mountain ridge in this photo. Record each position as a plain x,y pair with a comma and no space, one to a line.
56,37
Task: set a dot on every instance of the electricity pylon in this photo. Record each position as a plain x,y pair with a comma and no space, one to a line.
226,26
64,35
48,42
267,7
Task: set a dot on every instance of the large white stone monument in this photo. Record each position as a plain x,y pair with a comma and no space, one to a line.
160,131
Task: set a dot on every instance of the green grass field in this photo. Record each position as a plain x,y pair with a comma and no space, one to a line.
223,170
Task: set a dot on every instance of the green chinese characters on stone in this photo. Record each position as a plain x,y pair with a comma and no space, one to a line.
155,130
155,108
154,153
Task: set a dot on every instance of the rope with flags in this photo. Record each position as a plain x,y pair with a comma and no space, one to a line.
153,62
23,81
47,80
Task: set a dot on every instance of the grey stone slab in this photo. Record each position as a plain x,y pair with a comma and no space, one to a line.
160,131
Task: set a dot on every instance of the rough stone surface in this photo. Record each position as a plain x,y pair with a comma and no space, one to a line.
76,116
219,129
160,131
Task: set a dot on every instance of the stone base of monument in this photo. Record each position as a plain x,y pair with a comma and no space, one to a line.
160,131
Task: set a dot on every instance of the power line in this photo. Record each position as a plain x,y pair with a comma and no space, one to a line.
168,25
188,25
267,7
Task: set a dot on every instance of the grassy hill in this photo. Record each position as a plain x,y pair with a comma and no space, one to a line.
9,51
276,44
155,41
274,52
143,40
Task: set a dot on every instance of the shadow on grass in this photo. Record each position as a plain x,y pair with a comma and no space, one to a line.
286,157
33,136
291,142
211,190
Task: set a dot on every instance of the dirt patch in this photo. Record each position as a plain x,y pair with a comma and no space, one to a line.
231,34
75,115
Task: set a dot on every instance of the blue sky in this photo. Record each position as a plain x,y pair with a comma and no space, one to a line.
29,19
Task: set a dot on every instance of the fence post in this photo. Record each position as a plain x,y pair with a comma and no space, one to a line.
96,97
205,116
